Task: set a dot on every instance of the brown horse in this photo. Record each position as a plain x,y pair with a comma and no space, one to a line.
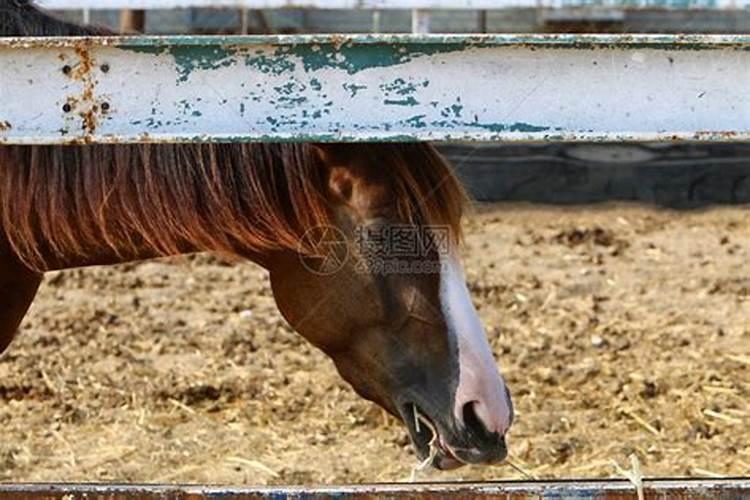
360,241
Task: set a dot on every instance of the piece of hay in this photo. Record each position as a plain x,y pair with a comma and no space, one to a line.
254,464
519,469
721,416
653,430
633,475
432,444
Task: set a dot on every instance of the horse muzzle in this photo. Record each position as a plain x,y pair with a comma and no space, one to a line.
448,443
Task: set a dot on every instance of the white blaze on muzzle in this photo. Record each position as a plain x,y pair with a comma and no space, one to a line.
479,381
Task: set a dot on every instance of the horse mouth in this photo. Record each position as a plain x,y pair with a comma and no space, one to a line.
429,443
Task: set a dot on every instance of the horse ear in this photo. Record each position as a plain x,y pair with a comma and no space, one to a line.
340,177
351,179
341,182
332,153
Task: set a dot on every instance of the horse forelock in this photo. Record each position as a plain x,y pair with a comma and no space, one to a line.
428,192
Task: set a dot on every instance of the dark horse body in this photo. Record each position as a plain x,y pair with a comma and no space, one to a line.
407,338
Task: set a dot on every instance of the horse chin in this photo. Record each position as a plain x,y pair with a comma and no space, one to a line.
446,462
425,442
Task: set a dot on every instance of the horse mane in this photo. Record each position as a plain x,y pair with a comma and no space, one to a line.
63,202
58,203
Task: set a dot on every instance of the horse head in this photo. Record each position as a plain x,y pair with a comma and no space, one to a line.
382,293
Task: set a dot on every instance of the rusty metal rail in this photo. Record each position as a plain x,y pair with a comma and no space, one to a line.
396,4
608,88
591,489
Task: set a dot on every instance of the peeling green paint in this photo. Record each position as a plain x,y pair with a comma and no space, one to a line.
408,101
353,58
343,137
290,88
357,53
349,58
291,102
454,110
390,49
457,108
512,127
275,64
416,121
315,84
353,88
189,59
399,86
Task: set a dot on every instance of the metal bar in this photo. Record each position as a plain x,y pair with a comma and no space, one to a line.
395,4
420,22
132,20
587,489
244,21
375,88
482,21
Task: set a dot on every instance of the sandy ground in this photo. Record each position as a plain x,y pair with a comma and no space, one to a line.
619,329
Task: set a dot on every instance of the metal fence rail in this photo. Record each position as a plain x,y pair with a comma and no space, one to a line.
394,4
375,88
592,489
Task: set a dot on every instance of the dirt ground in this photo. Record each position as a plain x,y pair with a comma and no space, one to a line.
619,329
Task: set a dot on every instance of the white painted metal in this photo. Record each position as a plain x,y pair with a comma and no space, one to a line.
528,88
591,489
394,4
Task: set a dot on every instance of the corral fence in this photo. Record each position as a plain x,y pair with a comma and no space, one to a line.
422,16
594,489
531,88
538,88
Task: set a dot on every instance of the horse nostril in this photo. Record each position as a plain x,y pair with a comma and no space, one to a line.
472,423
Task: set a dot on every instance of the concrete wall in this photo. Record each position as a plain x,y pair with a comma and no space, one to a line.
661,174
